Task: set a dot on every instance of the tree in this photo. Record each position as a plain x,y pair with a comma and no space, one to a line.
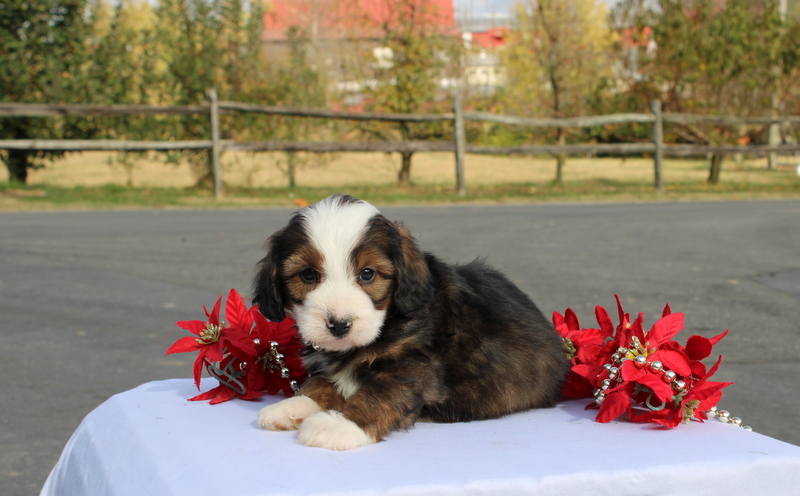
297,84
42,54
414,49
691,74
207,44
558,58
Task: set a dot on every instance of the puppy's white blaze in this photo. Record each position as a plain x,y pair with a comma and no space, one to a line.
335,230
333,431
287,414
345,383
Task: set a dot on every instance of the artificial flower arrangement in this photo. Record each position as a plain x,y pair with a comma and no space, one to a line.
246,353
646,375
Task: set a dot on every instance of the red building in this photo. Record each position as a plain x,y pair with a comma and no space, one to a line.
356,19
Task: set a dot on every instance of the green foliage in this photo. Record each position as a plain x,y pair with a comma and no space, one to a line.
297,84
42,51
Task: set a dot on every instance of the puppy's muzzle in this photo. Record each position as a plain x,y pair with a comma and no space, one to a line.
339,327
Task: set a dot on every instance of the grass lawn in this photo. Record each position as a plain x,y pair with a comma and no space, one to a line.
87,181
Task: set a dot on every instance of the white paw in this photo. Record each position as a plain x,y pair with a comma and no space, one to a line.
288,414
331,430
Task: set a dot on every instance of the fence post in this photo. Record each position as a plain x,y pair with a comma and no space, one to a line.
461,142
216,167
658,140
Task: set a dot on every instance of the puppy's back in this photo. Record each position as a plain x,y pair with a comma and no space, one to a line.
500,354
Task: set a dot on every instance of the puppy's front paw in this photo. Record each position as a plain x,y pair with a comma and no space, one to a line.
288,414
333,431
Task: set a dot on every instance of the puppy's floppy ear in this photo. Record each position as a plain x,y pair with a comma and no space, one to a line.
267,286
414,290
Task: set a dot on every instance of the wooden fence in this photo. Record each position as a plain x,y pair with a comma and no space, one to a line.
459,146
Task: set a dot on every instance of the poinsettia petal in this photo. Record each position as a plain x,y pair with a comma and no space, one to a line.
665,416
698,347
236,312
590,372
635,329
667,310
698,369
630,371
623,318
670,419
240,344
183,345
210,394
713,369
718,337
193,326
560,324
655,383
576,387
707,390
615,404
213,316
604,320
212,352
589,336
572,320
665,329
251,395
197,370
224,395
673,360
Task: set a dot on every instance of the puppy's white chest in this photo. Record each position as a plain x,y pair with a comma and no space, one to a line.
345,383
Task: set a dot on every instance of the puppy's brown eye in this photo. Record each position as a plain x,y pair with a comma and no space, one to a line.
367,275
309,275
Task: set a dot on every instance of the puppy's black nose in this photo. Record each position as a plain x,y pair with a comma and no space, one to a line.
339,327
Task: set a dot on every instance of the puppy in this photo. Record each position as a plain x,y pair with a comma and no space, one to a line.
393,334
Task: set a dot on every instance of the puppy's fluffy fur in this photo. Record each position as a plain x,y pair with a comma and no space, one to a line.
393,334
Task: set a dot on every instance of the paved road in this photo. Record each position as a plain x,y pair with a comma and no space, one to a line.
88,299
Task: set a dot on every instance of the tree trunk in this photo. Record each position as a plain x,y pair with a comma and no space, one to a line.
18,163
561,159
715,168
291,169
404,177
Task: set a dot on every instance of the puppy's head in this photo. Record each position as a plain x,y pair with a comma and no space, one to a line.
339,267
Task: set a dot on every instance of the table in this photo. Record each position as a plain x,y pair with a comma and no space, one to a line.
152,441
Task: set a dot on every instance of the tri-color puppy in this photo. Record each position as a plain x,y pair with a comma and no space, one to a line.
393,334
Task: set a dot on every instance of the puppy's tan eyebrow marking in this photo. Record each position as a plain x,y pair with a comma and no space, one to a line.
304,256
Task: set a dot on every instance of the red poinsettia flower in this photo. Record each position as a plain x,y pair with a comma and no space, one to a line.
213,336
246,353
647,375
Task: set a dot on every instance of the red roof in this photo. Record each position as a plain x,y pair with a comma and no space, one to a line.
493,38
332,19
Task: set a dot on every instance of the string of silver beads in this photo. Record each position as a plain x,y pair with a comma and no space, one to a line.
656,366
725,417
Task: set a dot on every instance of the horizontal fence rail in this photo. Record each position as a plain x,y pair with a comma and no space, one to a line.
459,146
104,145
76,110
333,114
599,120
389,146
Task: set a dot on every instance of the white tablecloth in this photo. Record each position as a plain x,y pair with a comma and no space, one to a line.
151,441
